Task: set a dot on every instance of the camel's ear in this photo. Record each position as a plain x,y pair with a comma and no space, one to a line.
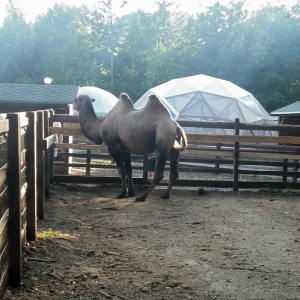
92,100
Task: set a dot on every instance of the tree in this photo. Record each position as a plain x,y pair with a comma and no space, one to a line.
60,47
274,54
16,57
104,38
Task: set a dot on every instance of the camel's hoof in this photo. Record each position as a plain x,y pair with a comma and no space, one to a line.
122,195
131,193
164,197
140,199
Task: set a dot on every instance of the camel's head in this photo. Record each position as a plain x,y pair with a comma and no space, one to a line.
82,100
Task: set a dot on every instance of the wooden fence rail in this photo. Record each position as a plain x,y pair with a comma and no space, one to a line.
248,156
22,187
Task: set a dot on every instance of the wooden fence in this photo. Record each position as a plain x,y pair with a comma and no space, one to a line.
247,156
23,187
219,155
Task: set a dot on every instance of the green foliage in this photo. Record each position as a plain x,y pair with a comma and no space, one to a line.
47,235
34,279
258,51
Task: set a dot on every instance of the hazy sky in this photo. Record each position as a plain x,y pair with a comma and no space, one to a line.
33,8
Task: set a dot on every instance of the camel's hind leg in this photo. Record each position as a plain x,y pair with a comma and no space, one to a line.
158,176
174,163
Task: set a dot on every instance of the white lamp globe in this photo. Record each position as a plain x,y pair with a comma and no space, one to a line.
47,80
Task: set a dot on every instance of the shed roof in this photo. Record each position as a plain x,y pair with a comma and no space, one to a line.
290,109
37,93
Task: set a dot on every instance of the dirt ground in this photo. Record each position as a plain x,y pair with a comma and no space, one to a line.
220,245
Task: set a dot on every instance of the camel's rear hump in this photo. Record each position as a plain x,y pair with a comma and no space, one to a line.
156,106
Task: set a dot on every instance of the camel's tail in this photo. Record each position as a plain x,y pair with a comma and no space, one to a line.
181,139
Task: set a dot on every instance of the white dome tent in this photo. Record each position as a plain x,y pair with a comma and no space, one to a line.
104,100
205,98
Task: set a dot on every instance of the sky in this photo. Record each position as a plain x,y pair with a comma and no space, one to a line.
34,8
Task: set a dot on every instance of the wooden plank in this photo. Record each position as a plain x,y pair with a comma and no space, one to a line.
243,154
4,230
4,200
269,155
179,182
3,177
82,147
31,175
4,126
197,124
3,279
243,139
40,166
209,153
91,179
14,183
49,141
266,184
65,131
23,226
92,166
65,118
278,163
269,173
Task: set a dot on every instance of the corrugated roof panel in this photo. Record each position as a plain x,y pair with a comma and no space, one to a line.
293,108
37,93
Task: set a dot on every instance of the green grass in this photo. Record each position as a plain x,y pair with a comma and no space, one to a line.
48,235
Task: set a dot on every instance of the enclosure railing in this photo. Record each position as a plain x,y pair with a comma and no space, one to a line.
23,183
219,155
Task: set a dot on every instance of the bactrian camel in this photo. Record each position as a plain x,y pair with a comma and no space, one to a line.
126,130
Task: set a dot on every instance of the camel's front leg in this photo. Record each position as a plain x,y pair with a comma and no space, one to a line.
128,170
124,193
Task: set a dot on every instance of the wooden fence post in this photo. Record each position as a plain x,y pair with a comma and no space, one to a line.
47,153
236,158
285,169
145,169
40,166
88,163
14,187
51,165
31,196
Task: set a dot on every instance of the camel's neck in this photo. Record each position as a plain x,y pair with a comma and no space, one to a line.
91,124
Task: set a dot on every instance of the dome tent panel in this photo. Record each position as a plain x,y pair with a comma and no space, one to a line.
181,101
223,97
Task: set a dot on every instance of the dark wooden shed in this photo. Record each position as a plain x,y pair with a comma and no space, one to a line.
31,97
289,114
